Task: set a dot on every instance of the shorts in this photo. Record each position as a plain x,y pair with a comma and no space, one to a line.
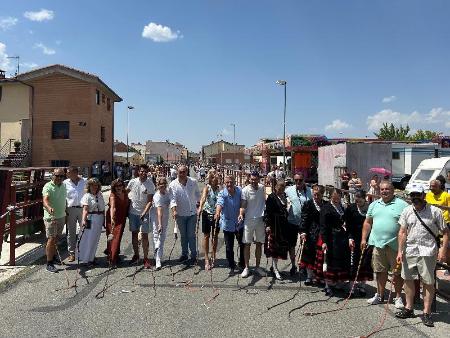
384,260
414,266
254,231
136,224
209,223
54,228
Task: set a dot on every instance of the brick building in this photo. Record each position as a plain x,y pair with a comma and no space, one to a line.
223,152
70,117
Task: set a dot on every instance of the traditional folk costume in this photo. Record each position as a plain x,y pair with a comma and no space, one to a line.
275,217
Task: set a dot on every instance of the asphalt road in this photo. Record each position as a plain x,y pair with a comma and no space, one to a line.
137,306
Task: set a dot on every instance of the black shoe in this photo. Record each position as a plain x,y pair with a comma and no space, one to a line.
56,260
308,282
362,292
51,268
329,292
183,259
405,313
293,271
427,320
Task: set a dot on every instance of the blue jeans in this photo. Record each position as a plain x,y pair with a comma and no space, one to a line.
186,225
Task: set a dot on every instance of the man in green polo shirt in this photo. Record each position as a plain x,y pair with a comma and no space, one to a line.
382,224
54,201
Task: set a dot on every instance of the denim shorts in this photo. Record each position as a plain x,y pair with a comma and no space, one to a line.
136,224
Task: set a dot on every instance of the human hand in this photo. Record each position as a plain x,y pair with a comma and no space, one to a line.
240,219
363,244
324,246
351,244
399,257
303,236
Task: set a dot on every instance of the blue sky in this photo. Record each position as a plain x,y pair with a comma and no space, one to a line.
349,65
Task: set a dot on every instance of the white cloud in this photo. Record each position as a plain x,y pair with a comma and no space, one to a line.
7,23
4,61
337,125
389,99
29,65
46,50
375,122
42,15
160,33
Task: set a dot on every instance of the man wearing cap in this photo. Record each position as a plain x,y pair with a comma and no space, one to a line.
252,212
75,185
418,242
382,224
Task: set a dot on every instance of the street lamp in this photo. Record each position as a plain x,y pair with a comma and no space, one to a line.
128,125
284,83
234,142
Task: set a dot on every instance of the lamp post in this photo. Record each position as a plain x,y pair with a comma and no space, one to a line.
284,83
128,125
234,143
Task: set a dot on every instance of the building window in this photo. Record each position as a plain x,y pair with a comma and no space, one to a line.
59,163
97,96
60,130
103,98
395,155
102,134
108,104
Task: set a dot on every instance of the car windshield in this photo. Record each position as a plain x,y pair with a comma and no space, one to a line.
424,175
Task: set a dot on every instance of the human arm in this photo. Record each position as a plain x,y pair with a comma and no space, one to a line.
367,227
401,243
113,211
148,205
84,216
324,233
47,205
159,215
305,221
202,200
242,210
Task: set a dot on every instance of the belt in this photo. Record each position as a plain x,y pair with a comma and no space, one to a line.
76,206
96,212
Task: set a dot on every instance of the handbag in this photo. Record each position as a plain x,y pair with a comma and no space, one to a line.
438,242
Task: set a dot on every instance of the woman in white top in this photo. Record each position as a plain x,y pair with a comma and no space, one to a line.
93,219
159,215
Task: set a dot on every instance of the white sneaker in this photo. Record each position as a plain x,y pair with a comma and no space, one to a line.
158,263
277,274
260,271
245,273
398,303
376,299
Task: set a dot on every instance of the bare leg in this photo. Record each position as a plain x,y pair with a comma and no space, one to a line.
428,295
410,290
258,252
398,285
381,283
145,245
246,255
50,249
206,249
135,242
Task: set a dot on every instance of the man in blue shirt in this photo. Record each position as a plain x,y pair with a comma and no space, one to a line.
227,212
297,196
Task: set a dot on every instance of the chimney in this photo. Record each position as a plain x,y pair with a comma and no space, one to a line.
2,74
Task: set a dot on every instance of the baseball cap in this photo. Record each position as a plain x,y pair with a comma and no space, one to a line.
416,188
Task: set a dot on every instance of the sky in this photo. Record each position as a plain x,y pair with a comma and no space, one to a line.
193,68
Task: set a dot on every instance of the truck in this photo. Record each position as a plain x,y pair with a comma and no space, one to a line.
427,171
406,157
358,156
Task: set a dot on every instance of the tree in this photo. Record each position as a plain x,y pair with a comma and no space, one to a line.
392,133
425,135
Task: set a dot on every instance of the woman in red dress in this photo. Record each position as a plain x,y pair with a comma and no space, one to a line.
115,219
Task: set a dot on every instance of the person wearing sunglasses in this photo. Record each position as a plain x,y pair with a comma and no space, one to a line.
93,221
54,196
297,194
418,244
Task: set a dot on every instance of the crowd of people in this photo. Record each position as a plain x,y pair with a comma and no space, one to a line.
341,240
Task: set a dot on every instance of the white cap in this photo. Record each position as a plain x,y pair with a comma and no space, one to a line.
416,188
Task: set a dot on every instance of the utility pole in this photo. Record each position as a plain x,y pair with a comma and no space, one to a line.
18,63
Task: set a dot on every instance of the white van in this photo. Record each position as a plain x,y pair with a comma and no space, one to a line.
428,170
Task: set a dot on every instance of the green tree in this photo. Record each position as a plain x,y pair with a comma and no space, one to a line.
425,135
393,133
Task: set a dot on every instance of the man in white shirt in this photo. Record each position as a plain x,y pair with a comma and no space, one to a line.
75,185
173,173
140,191
420,225
185,199
252,212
